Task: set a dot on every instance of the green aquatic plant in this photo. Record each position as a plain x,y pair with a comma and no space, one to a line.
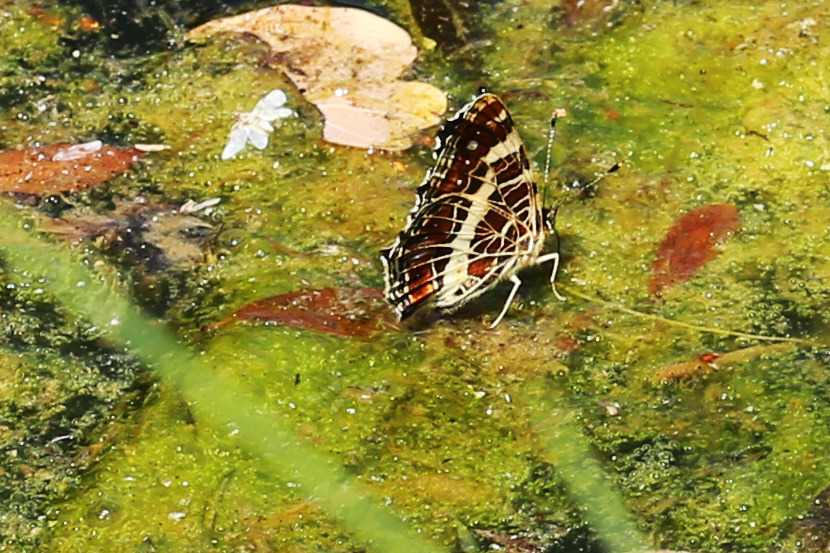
215,400
220,401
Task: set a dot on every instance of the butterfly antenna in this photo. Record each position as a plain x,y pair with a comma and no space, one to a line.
551,136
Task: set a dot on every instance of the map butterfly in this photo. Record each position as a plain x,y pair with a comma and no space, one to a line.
477,218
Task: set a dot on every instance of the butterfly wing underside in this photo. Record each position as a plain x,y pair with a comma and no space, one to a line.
476,219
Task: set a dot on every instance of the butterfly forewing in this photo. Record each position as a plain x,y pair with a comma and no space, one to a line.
477,217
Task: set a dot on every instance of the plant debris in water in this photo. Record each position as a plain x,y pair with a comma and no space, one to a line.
55,168
156,237
715,361
342,311
348,63
691,243
254,126
729,460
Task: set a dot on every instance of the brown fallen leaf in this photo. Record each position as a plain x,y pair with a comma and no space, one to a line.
58,168
347,62
47,17
354,312
690,244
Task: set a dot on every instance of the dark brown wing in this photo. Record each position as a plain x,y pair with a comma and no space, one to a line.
476,218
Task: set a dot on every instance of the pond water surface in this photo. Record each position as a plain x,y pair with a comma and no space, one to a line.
704,103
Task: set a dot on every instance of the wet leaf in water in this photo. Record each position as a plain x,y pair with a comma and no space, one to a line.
347,62
342,311
385,119
47,17
690,244
62,167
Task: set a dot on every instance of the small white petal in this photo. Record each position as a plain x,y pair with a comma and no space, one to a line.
237,139
270,108
263,127
151,147
266,115
192,207
273,99
258,138
282,113
255,125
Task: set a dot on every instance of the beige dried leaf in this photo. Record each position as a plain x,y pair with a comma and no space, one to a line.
361,121
347,62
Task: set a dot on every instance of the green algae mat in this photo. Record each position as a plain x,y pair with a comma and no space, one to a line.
676,400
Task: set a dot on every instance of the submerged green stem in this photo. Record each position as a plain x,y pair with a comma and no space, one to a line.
698,328
601,505
214,398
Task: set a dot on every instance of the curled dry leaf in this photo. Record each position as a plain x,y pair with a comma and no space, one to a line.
690,244
342,311
347,62
62,167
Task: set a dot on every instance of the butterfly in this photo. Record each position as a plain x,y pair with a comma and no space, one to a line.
477,217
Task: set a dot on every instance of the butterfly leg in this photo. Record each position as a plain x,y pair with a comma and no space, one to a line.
555,258
516,283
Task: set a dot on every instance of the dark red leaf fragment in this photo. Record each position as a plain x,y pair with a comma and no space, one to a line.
690,244
58,168
354,312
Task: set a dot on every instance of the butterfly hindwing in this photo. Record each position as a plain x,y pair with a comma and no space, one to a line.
476,219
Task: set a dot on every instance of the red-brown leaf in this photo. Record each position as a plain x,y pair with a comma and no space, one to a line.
62,167
341,311
690,244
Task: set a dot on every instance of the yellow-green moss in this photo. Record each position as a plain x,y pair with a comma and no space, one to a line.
705,102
